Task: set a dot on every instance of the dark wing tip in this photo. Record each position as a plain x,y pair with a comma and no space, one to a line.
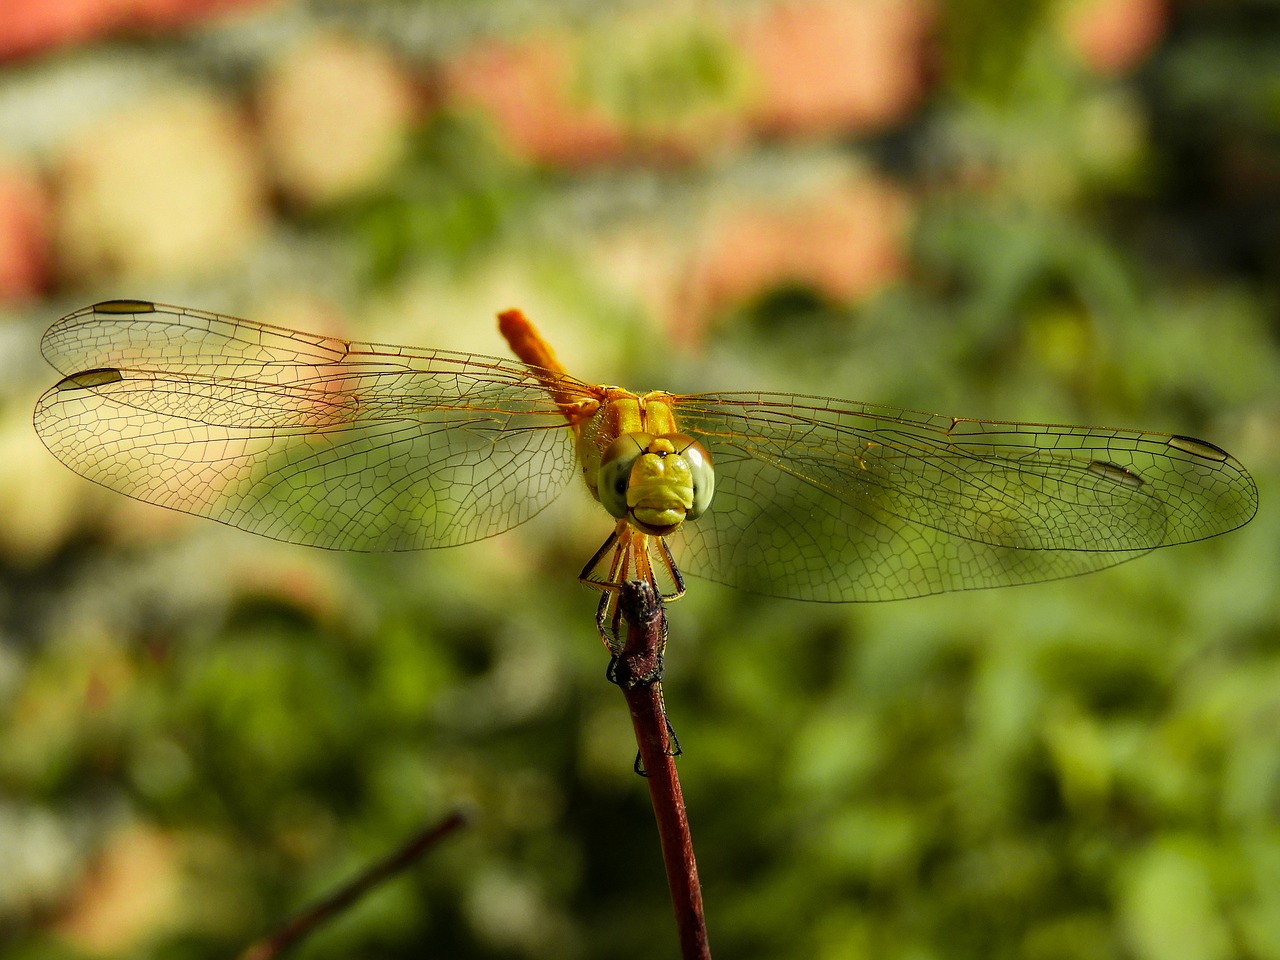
87,379
124,306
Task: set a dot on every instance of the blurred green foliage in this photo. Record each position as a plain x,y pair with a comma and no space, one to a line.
661,74
449,204
987,42
1086,770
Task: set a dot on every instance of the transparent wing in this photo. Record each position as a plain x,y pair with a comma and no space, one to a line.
822,499
298,437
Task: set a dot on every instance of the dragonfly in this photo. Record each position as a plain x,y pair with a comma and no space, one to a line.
358,446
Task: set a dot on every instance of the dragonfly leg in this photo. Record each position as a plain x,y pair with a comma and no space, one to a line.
589,574
673,750
673,572
628,555
609,622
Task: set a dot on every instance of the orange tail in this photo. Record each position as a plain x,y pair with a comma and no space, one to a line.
527,344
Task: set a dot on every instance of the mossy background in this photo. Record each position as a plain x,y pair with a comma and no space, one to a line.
202,731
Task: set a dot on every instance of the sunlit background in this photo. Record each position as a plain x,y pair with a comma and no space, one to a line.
1064,211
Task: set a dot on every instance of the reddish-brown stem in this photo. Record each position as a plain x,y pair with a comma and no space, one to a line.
637,671
292,932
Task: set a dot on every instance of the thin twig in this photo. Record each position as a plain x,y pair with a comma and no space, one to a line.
638,672
300,926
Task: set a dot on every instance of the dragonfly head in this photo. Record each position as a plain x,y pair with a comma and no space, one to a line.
656,483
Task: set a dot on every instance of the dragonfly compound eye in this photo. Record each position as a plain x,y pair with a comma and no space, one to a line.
701,471
615,471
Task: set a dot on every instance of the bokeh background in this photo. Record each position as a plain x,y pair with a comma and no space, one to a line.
1063,210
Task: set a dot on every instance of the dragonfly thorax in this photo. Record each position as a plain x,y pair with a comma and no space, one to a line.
655,483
